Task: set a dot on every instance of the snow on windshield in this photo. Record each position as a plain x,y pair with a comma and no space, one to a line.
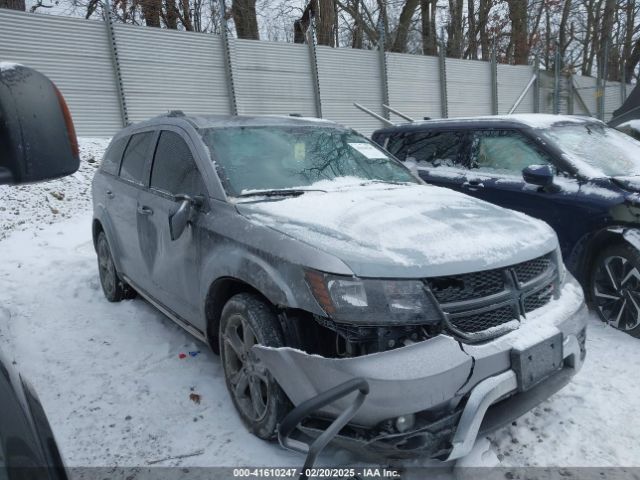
597,150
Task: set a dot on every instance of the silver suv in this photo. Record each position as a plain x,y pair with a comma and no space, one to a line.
308,257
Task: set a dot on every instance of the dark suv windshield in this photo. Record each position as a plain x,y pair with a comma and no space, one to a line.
267,158
597,150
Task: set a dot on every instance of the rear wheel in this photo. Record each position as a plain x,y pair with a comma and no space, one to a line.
113,287
247,320
615,288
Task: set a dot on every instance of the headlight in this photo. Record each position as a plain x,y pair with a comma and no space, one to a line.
372,301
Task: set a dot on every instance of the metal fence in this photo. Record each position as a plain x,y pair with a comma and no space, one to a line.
112,74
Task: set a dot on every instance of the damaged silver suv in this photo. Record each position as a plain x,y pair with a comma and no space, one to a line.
308,257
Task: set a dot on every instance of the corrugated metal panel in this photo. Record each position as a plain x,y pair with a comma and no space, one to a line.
348,76
273,78
165,70
612,99
414,85
468,87
74,54
512,80
586,86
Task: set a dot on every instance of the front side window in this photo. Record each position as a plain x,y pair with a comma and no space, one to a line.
174,169
135,155
504,152
432,148
285,157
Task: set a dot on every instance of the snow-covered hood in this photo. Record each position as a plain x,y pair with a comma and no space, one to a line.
408,231
628,183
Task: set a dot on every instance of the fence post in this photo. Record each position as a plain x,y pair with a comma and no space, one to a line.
556,83
383,68
443,81
536,86
313,57
228,61
494,82
623,86
115,62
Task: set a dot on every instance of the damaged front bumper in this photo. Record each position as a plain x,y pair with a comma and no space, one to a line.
433,398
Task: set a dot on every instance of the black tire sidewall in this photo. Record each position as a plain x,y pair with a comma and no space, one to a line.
618,250
118,293
260,316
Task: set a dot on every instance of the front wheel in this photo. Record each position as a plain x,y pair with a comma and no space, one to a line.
247,320
614,288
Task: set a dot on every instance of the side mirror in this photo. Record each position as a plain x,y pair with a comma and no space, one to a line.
37,137
541,175
179,220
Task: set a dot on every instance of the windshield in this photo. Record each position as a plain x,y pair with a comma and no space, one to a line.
251,159
597,150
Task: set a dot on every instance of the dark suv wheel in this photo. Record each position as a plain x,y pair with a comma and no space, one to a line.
614,288
114,288
247,320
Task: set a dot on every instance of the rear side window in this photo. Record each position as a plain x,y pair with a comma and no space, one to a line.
432,148
113,156
134,157
174,168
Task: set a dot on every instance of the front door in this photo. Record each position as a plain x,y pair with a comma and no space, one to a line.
172,265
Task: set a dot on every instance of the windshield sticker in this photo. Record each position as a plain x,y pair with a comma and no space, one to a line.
299,151
368,150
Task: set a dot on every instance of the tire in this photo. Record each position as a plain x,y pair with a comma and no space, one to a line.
614,288
258,398
113,287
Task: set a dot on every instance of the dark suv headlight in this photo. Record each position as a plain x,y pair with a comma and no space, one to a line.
374,302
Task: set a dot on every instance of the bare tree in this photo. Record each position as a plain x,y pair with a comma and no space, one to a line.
245,19
13,4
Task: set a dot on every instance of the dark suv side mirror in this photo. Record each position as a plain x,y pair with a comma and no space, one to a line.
180,218
541,175
37,137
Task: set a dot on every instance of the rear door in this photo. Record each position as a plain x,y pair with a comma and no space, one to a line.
438,155
172,265
122,197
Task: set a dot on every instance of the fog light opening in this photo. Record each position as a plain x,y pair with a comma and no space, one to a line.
405,422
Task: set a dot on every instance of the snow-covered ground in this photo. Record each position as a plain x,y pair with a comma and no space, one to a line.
117,393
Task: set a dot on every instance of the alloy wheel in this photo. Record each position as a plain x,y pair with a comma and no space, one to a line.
106,268
616,292
247,376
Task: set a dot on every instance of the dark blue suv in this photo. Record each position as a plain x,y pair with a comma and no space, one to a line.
577,174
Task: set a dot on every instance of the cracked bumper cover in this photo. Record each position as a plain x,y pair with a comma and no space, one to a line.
451,387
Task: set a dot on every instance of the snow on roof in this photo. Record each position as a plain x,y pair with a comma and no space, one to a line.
6,66
633,124
533,120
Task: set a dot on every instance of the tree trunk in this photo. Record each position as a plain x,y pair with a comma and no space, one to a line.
404,24
473,34
13,4
325,22
151,12
357,34
429,33
454,29
519,31
245,19
483,20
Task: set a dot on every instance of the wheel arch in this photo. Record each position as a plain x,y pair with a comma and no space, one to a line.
218,294
583,255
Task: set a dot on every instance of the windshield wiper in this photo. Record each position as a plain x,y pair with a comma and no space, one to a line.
287,192
390,182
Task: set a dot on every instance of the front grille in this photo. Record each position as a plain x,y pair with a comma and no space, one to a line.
538,299
527,271
501,295
474,323
470,286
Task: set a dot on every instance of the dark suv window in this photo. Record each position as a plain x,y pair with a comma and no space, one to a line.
134,157
434,148
504,152
113,156
174,169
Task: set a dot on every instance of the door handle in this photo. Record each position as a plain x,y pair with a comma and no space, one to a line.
110,194
144,210
473,184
